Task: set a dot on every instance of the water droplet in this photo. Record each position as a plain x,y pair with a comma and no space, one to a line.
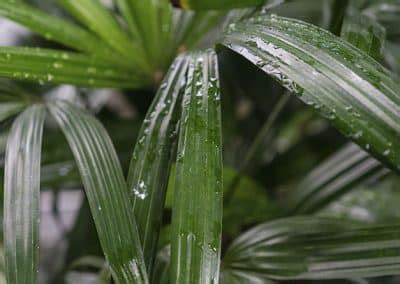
140,190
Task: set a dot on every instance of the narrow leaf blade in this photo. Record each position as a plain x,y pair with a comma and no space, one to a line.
22,195
95,16
151,161
106,191
58,30
52,66
197,209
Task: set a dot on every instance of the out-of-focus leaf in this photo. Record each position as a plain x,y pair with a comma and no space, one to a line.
359,96
161,267
154,24
151,160
332,178
106,191
386,13
22,195
9,109
314,248
95,16
191,27
252,156
338,12
56,29
392,57
197,209
364,33
215,4
250,204
52,66
376,202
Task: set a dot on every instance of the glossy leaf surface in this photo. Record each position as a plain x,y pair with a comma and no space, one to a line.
314,248
51,66
359,96
151,161
197,208
106,191
22,196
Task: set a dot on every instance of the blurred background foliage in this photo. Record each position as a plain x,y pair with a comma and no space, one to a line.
299,141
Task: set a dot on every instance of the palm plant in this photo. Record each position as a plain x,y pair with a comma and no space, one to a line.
163,222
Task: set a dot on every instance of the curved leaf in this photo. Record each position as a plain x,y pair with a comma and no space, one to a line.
106,191
314,248
22,195
359,96
197,208
52,66
151,161
337,175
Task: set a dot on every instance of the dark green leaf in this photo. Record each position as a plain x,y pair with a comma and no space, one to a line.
106,191
151,161
197,209
22,196
359,96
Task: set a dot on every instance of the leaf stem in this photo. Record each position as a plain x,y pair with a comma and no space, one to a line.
255,147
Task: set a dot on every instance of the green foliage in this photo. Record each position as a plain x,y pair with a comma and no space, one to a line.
226,160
